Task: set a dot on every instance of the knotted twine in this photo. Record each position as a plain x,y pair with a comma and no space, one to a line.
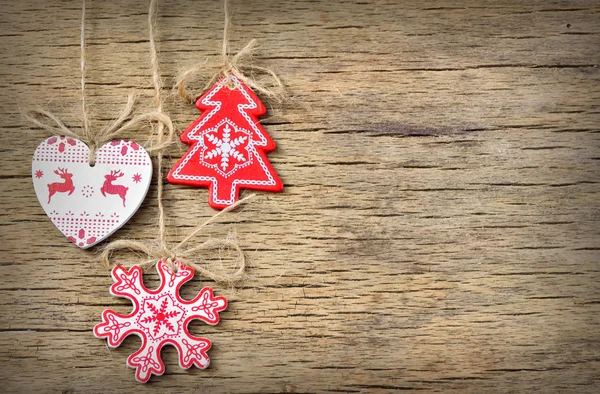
162,251
94,139
233,65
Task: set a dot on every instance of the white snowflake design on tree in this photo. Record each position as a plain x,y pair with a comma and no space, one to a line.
159,317
226,148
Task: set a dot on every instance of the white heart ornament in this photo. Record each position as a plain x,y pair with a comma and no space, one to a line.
88,204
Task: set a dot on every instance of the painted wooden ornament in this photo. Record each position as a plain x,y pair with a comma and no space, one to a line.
228,146
160,317
87,204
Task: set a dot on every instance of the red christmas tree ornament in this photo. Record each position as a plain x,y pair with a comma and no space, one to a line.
228,146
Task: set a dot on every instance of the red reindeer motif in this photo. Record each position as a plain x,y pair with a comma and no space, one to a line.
109,188
61,187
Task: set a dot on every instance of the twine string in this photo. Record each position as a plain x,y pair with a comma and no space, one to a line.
157,81
232,65
124,121
162,251
86,119
153,253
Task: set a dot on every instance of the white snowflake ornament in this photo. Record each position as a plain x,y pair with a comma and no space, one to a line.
159,317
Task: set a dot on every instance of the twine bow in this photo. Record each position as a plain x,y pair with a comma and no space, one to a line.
46,120
232,65
178,253
124,121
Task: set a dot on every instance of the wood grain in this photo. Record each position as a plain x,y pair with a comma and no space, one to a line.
439,229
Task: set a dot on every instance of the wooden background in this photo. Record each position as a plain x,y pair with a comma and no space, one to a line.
439,228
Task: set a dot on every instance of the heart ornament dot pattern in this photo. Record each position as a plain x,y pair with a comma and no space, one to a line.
89,203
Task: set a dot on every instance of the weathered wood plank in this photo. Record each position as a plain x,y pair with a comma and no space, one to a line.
439,227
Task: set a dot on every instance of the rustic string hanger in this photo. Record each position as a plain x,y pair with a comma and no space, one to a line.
93,137
238,65
161,250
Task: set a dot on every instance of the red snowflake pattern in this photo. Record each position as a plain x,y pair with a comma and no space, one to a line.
87,191
39,174
137,178
163,316
160,317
